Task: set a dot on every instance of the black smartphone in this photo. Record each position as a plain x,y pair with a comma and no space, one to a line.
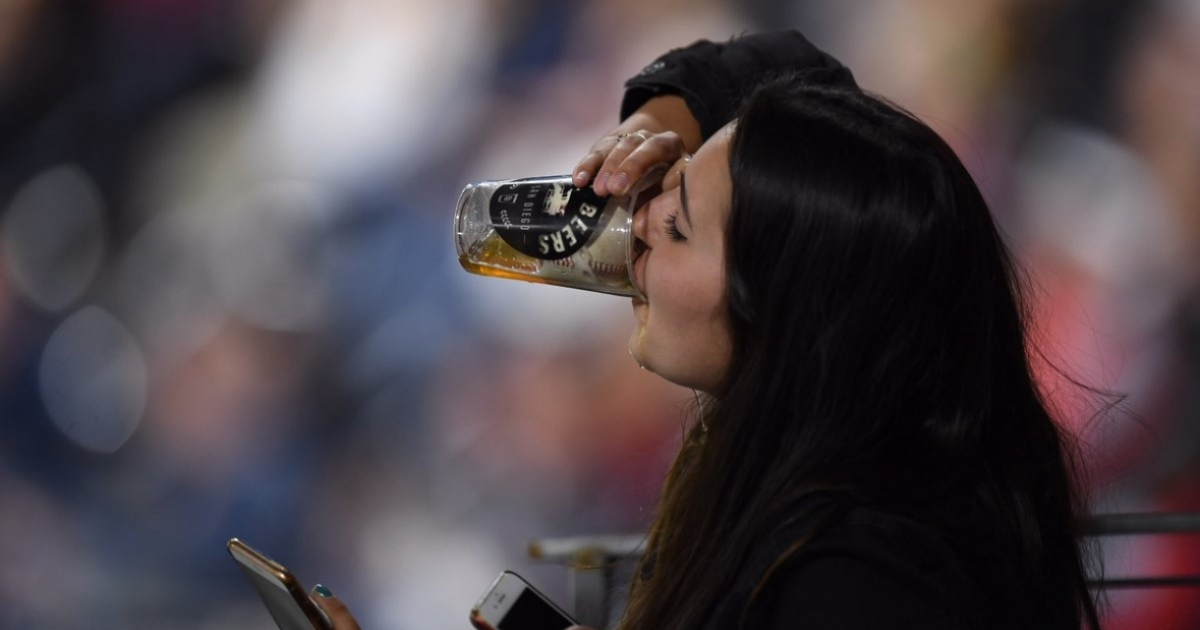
512,604
285,598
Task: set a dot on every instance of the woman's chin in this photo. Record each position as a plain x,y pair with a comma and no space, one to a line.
635,345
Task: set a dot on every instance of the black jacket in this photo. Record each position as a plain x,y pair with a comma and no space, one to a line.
715,78
867,569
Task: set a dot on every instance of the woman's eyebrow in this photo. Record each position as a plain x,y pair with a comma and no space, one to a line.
683,199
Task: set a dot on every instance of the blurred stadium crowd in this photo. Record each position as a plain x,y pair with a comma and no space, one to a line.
230,306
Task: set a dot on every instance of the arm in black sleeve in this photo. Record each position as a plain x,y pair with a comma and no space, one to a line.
714,78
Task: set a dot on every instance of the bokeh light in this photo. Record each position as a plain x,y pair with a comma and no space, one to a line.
93,380
54,236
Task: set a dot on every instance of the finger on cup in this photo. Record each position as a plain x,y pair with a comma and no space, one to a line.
588,168
629,168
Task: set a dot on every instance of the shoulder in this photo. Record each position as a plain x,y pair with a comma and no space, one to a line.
871,569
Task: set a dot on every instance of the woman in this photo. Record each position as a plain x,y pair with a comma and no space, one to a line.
871,450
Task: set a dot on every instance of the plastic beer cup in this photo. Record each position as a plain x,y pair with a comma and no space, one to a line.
547,230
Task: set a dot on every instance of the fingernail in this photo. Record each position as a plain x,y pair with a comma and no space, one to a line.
322,590
601,180
619,183
581,178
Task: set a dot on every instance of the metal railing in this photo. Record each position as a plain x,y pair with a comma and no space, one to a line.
591,560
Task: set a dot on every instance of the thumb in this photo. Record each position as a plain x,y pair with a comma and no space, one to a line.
339,615
479,622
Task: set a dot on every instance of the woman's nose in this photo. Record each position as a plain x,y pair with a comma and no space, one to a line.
640,219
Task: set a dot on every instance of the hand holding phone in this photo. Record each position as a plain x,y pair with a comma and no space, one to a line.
285,598
512,604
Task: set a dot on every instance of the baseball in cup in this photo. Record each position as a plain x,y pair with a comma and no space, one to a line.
547,230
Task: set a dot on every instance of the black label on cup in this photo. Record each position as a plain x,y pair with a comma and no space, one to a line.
547,219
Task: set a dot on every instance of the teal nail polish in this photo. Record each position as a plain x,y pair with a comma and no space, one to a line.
321,590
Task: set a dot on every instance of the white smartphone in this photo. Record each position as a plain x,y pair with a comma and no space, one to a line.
512,604
285,598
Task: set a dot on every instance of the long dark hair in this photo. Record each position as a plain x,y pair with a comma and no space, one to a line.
878,347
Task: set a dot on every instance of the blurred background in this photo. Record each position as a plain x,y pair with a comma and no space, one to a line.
230,306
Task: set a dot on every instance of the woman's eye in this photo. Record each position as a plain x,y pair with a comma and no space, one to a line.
673,232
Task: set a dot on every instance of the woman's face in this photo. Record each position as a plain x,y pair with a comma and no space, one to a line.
682,328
